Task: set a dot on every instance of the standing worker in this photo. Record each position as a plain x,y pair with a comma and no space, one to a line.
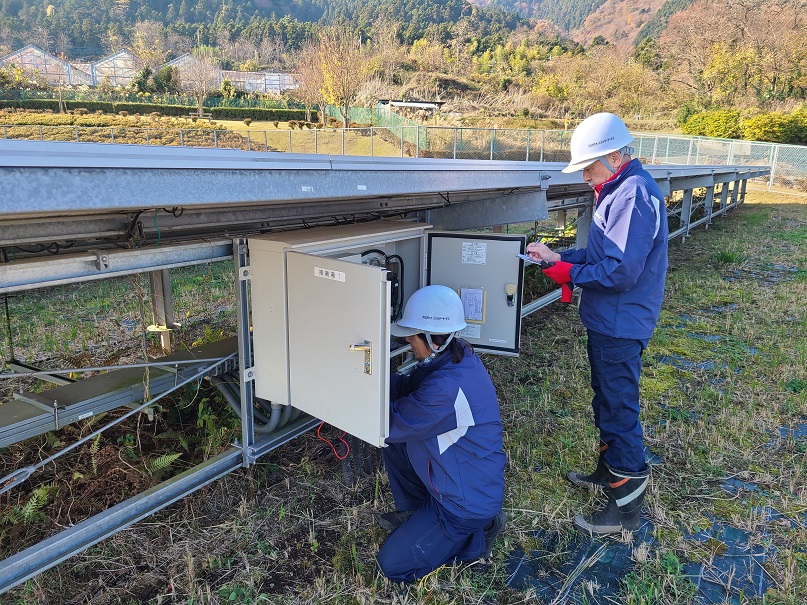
621,273
444,454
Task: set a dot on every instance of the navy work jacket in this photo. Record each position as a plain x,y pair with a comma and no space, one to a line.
448,415
622,269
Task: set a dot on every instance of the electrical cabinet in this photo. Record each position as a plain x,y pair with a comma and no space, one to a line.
323,300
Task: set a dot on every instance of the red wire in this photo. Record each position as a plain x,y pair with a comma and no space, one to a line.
341,438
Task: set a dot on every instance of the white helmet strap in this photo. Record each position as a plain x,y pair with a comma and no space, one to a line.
435,352
627,150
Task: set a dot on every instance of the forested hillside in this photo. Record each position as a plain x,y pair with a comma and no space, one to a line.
88,28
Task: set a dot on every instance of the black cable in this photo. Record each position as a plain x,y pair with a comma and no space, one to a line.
130,231
398,308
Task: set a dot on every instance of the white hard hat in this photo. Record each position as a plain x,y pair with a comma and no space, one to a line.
595,137
431,310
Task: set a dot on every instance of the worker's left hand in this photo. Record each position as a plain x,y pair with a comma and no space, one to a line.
559,272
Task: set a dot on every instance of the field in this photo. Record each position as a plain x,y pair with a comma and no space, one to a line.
724,395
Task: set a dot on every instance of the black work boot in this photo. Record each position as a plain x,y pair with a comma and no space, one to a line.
394,519
598,477
625,497
492,531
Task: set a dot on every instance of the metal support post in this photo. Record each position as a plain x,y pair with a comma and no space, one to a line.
492,142
249,142
584,224
455,144
246,371
743,185
343,141
216,139
162,305
655,146
686,213
709,203
402,142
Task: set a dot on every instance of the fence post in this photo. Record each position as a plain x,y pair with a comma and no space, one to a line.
730,159
112,135
528,145
402,144
698,152
689,153
372,134
417,141
265,142
5,134
249,142
289,140
543,140
773,166
41,136
216,139
492,142
76,134
343,141
181,137
147,136
455,143
655,145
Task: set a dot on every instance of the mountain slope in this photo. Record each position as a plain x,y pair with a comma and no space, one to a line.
618,21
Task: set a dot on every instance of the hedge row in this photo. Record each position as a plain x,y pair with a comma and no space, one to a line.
218,113
772,127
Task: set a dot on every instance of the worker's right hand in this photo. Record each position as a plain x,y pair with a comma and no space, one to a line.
540,251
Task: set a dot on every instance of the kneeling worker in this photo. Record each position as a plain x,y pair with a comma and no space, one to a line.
444,454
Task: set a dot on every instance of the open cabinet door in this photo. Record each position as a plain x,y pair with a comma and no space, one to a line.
338,315
484,270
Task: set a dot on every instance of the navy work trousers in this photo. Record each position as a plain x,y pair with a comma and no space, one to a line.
432,536
616,364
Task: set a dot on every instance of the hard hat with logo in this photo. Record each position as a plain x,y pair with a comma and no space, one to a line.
431,310
596,137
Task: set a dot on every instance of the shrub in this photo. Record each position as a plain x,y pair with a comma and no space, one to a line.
247,121
123,113
81,111
155,114
256,113
721,123
776,127
275,123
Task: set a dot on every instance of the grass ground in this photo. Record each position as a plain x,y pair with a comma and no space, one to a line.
724,396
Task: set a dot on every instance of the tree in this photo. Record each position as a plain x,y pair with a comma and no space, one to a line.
342,61
199,76
148,43
167,80
310,89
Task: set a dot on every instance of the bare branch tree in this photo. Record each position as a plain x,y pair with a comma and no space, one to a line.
311,83
199,76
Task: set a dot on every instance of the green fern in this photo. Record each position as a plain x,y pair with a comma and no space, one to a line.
181,438
95,446
30,510
162,462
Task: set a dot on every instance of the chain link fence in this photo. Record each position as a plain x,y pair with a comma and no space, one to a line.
397,136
